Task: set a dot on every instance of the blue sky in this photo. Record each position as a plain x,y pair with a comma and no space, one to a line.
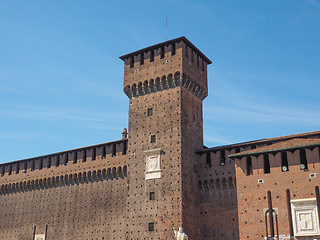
61,79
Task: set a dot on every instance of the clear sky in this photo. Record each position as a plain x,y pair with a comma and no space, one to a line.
61,79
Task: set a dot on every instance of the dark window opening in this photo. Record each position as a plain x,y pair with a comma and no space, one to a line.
94,154
10,169
173,49
75,157
266,163
152,56
84,158
303,159
2,170
40,164
66,160
49,162
198,64
209,159
202,65
152,196
237,150
187,49
113,150
103,152
132,62
192,57
223,158
162,52
124,150
249,166
150,112
17,169
141,59
33,164
151,227
284,162
153,138
57,161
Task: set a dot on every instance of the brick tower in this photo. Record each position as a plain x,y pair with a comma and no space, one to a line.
166,84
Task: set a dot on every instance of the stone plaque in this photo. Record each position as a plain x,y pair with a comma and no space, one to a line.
305,217
40,237
153,160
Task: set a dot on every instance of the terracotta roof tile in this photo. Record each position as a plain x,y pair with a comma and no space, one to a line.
289,144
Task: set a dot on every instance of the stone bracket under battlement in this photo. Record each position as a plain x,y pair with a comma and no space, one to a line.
163,84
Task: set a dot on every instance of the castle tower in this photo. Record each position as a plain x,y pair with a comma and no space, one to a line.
166,84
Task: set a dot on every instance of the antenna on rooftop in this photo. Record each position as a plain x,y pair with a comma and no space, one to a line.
166,28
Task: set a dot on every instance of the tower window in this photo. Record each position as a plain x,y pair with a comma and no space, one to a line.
249,166
141,59
266,163
162,52
132,62
153,138
152,196
150,112
151,227
284,162
303,159
173,49
151,55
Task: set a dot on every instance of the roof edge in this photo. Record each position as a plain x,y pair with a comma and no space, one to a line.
183,38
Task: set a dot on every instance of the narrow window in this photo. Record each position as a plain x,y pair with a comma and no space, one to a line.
10,169
209,159
84,158
141,59
132,62
223,158
66,160
197,60
173,49
124,149
162,52
150,112
152,196
284,162
2,170
57,161
151,227
202,65
187,50
266,163
33,164
152,56
303,159
153,138
17,169
249,166
94,154
49,162
75,156
113,150
103,152
41,164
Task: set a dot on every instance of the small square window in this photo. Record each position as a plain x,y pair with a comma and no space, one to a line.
150,112
153,138
152,196
151,227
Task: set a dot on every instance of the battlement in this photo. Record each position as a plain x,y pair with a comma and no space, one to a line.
166,65
81,155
